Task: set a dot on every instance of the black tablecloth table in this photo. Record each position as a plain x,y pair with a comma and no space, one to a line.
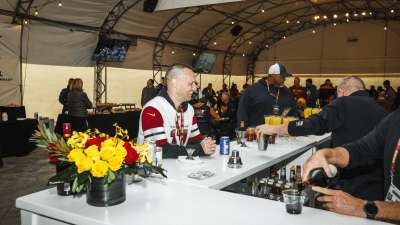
14,112
14,137
104,122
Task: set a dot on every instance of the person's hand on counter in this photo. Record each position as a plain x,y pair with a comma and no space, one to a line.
208,146
341,202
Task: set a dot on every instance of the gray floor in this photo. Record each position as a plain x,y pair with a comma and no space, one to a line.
21,176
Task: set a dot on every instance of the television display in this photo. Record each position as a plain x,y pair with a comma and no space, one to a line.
111,50
205,62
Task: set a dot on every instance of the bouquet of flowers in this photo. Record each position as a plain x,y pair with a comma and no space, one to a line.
94,155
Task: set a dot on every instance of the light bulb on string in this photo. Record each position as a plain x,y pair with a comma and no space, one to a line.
60,3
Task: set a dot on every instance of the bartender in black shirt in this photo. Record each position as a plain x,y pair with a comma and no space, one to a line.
382,143
349,117
266,97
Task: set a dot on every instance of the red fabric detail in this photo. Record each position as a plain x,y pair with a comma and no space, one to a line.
194,120
161,142
151,118
195,138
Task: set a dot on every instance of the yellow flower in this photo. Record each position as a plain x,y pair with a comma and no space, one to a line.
109,142
78,139
120,152
75,154
99,168
93,152
145,154
115,163
84,164
107,152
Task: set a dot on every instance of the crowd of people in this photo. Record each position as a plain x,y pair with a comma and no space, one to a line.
365,138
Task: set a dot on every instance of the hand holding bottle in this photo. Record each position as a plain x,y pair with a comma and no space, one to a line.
318,160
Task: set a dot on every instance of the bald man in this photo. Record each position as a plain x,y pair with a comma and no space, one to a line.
169,120
349,117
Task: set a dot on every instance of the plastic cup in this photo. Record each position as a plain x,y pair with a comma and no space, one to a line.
294,201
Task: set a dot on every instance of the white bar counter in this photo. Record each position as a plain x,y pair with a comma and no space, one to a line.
253,161
182,200
159,202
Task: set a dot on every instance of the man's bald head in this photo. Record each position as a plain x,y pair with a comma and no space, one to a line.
180,82
350,85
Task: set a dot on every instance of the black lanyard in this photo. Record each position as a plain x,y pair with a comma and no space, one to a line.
277,94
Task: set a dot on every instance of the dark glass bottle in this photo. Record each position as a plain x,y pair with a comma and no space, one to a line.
318,177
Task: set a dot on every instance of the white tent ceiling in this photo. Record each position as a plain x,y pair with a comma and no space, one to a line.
68,35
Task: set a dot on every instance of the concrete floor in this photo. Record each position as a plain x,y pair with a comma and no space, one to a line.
21,176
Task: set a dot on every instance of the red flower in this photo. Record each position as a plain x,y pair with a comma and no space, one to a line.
95,141
131,154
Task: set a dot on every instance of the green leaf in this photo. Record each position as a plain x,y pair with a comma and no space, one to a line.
75,185
110,177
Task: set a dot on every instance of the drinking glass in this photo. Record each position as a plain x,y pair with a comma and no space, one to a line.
190,152
294,201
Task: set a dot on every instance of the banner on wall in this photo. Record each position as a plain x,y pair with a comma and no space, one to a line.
9,65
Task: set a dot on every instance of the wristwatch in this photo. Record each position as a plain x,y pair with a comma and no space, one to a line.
370,209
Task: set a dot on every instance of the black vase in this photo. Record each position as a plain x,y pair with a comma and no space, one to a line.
101,194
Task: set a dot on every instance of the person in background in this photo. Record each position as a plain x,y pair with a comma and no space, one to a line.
311,93
233,91
327,84
209,93
396,103
349,117
77,105
390,93
169,120
148,92
63,96
382,144
297,90
266,97
225,120
373,93
162,85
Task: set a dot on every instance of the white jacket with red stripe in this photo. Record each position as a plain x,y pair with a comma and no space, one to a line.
158,123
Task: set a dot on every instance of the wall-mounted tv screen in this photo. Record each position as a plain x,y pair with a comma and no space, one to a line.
111,50
205,62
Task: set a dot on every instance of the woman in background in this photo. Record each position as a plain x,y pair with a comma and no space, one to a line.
78,103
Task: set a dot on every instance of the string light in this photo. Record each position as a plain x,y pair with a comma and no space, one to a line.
263,10
355,14
266,46
347,20
194,53
215,43
392,11
347,14
370,13
36,12
26,21
316,17
243,54
287,21
284,37
385,28
298,21
334,24
60,3
364,13
233,22
325,17
335,16
250,42
313,31
172,52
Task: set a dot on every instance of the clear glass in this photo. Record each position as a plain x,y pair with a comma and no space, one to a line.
294,201
190,152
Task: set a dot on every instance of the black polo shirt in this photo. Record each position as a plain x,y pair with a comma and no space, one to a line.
349,118
258,100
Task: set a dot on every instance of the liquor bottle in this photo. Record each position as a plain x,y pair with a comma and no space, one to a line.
283,174
241,125
292,175
318,177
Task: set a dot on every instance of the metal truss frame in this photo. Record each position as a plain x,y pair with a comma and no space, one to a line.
272,25
107,27
22,9
173,23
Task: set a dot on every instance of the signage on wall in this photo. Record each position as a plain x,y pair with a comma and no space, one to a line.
3,77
